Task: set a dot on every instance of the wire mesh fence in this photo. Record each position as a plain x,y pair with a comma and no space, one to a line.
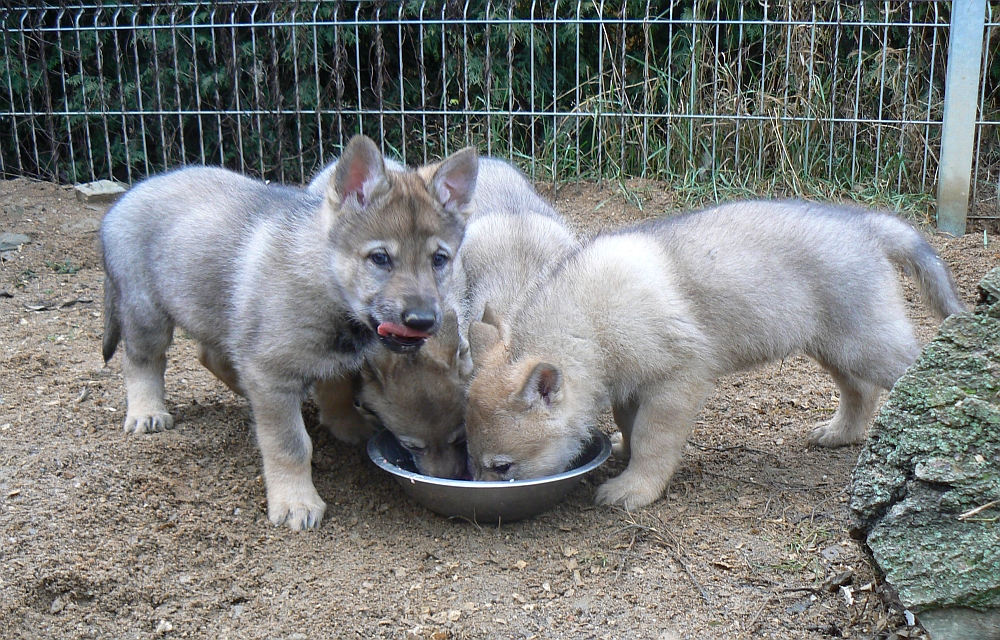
800,96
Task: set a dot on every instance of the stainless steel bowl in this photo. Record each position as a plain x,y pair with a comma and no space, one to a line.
484,502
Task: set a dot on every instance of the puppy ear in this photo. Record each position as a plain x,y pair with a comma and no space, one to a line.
543,385
359,177
463,359
490,316
482,338
454,181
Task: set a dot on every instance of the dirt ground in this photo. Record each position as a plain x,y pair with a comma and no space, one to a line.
103,535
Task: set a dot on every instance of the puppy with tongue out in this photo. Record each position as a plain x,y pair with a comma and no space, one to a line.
402,232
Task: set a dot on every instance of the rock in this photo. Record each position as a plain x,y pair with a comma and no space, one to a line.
958,622
99,191
12,241
932,456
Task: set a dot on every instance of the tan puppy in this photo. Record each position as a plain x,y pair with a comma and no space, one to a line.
648,318
513,239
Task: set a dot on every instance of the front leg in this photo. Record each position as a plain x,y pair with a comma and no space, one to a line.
662,422
287,453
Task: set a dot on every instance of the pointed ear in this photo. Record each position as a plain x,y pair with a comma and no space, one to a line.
482,338
463,359
445,343
454,181
490,316
360,175
543,385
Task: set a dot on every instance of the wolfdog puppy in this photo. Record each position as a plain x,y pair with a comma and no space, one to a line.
513,239
280,287
647,319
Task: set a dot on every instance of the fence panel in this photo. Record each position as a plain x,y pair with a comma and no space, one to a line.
805,97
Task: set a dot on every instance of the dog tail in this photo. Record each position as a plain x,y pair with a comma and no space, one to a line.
112,327
906,247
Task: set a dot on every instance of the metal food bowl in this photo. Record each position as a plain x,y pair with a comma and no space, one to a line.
484,502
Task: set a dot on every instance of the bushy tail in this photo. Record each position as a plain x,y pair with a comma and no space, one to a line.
112,328
907,248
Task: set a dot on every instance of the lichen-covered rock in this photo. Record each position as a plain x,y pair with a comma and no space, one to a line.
933,454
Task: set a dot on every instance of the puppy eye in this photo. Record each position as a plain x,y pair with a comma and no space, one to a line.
501,468
440,259
380,258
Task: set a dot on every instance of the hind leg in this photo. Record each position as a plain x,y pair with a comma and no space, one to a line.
221,368
144,363
624,414
858,401
889,349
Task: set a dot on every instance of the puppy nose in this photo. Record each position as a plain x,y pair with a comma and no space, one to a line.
419,319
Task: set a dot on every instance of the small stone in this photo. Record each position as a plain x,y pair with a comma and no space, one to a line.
799,606
99,191
57,606
832,553
163,627
12,241
834,582
6,294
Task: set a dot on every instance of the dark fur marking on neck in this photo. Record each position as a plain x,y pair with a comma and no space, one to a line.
349,336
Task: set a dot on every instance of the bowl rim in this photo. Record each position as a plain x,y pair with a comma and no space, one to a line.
402,474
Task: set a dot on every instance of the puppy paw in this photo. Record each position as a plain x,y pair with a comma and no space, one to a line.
629,491
148,422
299,509
831,436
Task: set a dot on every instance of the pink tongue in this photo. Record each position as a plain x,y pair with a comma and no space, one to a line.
393,329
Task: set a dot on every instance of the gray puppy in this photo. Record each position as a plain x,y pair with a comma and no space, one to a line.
647,320
280,287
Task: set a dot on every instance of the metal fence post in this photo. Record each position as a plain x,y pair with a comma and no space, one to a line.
958,128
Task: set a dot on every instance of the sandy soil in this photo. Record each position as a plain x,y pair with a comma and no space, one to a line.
103,535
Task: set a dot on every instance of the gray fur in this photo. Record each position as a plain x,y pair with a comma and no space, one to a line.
647,319
276,285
